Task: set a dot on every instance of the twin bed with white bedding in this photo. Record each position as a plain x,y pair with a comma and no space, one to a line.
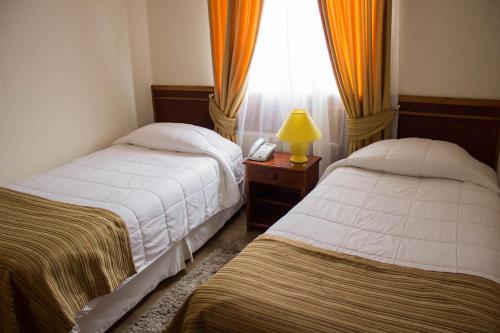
173,185
403,235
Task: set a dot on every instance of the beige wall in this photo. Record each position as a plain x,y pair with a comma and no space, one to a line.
180,42
65,81
450,48
141,59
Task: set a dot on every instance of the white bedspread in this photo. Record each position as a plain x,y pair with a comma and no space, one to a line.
161,195
416,220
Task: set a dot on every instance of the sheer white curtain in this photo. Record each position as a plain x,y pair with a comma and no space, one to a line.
291,69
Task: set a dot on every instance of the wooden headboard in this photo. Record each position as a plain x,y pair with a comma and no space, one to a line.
182,104
473,124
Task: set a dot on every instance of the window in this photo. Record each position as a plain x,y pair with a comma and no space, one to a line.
291,51
291,69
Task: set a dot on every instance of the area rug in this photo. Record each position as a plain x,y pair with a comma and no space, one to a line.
159,316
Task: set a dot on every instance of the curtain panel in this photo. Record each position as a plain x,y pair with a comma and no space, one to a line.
234,26
358,35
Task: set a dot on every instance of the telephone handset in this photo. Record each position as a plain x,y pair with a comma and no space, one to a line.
261,151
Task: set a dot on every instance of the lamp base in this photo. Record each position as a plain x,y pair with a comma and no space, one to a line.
298,153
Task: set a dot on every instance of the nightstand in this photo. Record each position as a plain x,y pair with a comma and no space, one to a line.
275,186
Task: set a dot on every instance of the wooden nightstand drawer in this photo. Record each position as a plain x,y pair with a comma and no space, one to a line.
276,177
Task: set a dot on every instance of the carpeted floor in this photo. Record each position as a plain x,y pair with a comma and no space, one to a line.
158,317
235,230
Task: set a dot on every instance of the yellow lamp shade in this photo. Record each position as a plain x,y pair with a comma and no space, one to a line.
298,129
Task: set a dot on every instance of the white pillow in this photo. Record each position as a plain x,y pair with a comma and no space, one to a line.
187,138
192,139
422,158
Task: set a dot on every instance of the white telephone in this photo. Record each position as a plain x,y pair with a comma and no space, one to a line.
261,151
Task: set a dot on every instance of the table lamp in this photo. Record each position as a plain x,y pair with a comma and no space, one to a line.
298,130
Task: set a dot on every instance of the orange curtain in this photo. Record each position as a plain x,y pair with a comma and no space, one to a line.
234,25
358,34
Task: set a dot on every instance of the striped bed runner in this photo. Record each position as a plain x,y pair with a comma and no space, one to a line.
54,259
280,285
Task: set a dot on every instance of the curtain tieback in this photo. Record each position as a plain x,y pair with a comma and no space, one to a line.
223,124
365,127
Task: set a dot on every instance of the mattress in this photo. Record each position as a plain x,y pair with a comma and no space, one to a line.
431,223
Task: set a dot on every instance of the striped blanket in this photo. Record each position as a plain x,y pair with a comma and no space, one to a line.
280,285
55,258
